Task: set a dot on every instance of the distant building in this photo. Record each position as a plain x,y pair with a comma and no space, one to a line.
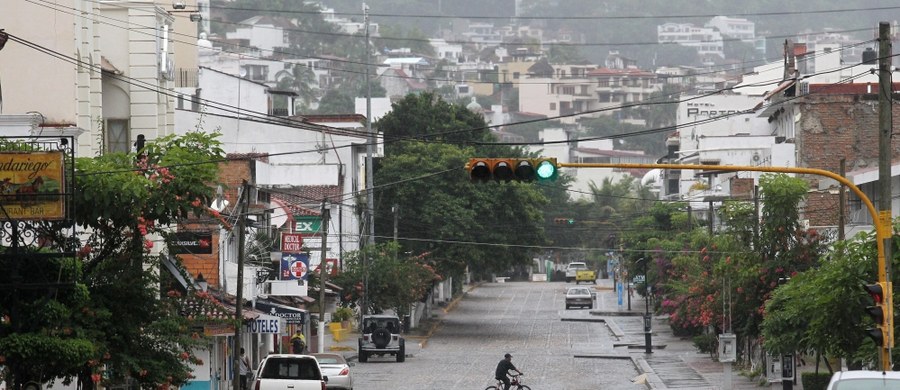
742,29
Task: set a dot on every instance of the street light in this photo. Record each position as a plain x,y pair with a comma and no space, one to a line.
648,344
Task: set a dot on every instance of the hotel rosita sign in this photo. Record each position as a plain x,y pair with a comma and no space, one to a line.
32,185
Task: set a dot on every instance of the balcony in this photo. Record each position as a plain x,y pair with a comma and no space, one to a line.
187,78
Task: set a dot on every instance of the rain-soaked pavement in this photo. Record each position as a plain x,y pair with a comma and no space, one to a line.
556,348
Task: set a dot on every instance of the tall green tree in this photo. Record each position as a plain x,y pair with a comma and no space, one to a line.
488,227
300,80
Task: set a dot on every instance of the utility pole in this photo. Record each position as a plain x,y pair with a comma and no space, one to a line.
884,175
238,306
322,276
370,180
841,198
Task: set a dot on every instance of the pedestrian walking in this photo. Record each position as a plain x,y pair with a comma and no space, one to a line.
244,370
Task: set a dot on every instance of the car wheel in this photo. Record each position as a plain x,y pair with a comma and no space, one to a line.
362,354
401,354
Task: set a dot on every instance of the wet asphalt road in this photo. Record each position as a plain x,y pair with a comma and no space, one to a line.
521,318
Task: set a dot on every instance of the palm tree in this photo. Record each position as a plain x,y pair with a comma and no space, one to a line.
299,80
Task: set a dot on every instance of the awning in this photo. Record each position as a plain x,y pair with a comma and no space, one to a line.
784,85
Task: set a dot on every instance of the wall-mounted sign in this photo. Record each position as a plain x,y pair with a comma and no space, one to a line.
192,243
291,242
294,266
264,324
291,315
32,185
307,225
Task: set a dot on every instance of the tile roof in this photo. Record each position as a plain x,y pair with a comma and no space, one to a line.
307,200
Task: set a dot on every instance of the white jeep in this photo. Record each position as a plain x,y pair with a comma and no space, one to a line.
381,336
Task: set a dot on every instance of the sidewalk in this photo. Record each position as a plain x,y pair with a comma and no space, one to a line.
675,362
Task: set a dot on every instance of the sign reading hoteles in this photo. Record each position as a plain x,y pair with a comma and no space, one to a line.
32,185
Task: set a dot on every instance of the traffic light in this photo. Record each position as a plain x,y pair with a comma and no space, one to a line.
509,169
546,168
879,313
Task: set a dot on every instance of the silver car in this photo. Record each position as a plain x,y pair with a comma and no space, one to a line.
336,368
579,296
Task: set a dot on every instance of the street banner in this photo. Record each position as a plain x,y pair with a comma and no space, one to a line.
294,266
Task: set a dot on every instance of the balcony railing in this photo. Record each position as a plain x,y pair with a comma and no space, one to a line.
187,78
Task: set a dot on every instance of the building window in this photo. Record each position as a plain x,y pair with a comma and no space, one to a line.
552,106
118,139
515,75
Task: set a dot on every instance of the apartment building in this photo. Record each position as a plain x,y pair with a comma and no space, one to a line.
108,82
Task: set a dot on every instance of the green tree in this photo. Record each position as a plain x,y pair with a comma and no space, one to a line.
108,311
300,80
490,215
394,280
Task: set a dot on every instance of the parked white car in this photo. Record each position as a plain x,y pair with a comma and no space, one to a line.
865,380
288,371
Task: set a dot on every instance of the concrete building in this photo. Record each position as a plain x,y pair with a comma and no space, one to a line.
706,40
264,33
115,77
738,28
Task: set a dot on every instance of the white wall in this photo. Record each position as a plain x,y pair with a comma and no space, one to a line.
232,93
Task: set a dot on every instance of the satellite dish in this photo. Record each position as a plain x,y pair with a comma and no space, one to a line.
243,72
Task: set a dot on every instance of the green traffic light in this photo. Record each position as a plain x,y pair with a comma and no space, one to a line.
546,170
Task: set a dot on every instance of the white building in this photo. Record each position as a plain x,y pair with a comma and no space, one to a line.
265,33
706,40
739,28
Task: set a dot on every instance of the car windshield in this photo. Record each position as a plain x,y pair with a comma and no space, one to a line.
579,291
577,265
867,384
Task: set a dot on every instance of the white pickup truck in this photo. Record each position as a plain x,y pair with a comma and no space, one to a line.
572,270
286,371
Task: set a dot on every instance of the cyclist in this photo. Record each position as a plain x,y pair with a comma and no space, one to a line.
503,370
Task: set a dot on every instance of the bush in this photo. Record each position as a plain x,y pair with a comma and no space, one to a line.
342,314
706,343
813,381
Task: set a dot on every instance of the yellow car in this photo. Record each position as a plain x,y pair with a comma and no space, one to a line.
585,275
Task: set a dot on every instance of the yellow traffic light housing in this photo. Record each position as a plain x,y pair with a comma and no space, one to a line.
879,314
509,169
479,169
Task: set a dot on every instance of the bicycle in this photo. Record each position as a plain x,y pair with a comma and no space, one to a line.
515,382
